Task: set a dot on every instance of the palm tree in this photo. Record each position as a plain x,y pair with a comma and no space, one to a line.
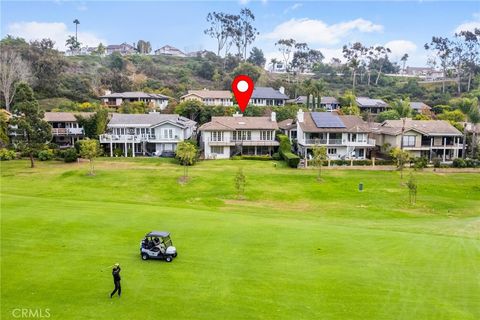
318,87
76,28
403,108
404,60
273,63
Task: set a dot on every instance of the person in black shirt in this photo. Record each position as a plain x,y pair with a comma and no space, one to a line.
116,280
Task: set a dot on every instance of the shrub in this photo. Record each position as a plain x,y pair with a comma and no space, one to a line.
70,155
292,159
276,156
459,163
6,154
420,162
118,152
436,163
45,155
472,163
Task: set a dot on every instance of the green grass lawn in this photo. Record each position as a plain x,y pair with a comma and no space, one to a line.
293,249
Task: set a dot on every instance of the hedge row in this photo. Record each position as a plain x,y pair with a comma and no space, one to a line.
246,157
285,151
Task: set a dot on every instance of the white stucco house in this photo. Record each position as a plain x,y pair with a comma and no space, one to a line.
210,97
146,134
224,137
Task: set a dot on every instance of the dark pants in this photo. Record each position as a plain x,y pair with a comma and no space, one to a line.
117,288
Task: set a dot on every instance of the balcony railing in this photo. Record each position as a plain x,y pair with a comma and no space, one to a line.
220,142
323,141
67,131
136,138
358,143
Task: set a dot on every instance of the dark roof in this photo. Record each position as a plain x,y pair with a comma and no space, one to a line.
323,100
136,95
419,106
352,124
267,93
161,234
364,102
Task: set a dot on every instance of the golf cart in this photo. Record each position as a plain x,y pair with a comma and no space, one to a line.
157,245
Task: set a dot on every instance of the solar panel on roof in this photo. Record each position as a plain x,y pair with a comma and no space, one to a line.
327,120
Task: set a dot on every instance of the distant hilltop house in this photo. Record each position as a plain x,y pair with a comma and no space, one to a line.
278,67
327,103
421,107
170,51
370,105
427,73
210,97
123,49
81,52
267,96
146,134
200,53
154,100
224,137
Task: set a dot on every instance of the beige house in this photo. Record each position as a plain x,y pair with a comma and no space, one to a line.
210,97
224,137
421,138
65,128
154,100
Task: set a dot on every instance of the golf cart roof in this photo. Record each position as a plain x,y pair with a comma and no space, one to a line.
161,234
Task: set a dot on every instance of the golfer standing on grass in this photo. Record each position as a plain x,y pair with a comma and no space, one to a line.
116,280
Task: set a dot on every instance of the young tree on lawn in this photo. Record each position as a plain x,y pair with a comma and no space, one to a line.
32,132
240,182
401,157
186,153
412,189
319,156
13,70
90,149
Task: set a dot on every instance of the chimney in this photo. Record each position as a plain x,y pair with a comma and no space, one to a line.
300,115
282,90
237,115
273,116
107,92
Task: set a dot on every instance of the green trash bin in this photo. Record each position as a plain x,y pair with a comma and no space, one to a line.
360,187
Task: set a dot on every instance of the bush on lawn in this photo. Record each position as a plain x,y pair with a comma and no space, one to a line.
118,152
420,162
285,151
70,155
292,159
6,154
45,155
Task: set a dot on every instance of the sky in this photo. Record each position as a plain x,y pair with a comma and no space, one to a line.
403,26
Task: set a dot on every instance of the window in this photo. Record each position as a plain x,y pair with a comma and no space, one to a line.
266,135
409,141
242,135
216,150
216,136
332,151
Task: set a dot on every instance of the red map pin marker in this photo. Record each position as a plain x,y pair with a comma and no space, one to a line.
242,87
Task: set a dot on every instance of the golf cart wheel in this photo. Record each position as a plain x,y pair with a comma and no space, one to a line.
169,259
144,256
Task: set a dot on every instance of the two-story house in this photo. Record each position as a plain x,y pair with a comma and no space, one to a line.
224,137
154,100
371,105
421,138
345,137
146,134
210,97
123,49
170,51
65,127
266,96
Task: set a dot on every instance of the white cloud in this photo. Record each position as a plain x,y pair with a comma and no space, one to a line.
57,31
470,25
318,32
400,47
292,7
